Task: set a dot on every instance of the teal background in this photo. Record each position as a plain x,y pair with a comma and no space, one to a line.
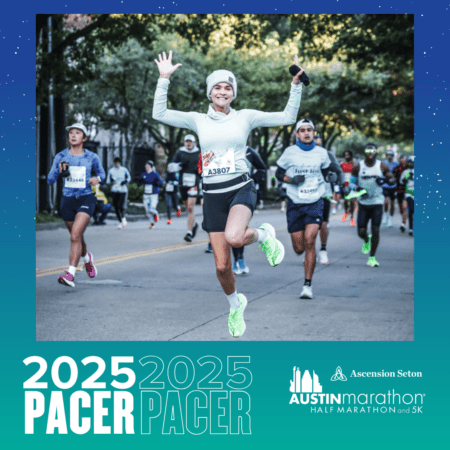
274,421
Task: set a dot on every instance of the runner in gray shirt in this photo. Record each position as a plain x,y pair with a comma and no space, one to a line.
229,192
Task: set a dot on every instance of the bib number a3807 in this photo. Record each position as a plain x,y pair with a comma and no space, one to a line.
219,171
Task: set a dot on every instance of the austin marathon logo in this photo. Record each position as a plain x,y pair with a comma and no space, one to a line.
306,389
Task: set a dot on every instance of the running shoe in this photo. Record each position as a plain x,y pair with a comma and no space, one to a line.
352,222
389,222
283,210
155,217
366,246
178,212
372,261
209,248
272,247
169,221
236,324
244,268
151,225
307,292
323,257
121,226
236,269
344,217
356,194
188,237
194,230
385,218
124,222
67,279
333,211
90,268
411,232
402,227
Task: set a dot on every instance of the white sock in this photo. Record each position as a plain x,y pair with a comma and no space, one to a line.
262,235
189,232
234,301
86,258
72,270
124,221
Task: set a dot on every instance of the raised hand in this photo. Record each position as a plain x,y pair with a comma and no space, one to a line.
165,66
296,79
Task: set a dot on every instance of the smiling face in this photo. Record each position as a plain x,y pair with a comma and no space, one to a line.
76,137
306,134
222,95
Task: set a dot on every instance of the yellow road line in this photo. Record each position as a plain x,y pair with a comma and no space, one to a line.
118,258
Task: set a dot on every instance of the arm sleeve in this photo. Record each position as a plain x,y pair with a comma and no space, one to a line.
98,168
335,167
170,117
255,159
176,158
275,119
54,171
280,174
158,180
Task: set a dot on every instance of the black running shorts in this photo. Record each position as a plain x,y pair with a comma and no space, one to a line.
71,206
301,214
216,207
369,212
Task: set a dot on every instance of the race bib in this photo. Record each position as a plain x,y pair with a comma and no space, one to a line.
188,179
170,188
77,177
218,165
148,189
310,186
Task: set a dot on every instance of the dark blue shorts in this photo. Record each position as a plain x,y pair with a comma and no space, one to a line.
71,206
301,214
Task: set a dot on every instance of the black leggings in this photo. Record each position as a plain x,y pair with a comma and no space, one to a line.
238,253
410,202
171,200
118,203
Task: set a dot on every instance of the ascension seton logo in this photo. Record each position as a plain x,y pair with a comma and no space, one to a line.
339,376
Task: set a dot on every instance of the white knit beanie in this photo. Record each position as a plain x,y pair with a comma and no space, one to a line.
221,76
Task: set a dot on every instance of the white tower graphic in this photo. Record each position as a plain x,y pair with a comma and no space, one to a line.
317,387
306,382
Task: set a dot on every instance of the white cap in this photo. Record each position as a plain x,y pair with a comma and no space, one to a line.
221,76
304,122
80,126
411,158
189,137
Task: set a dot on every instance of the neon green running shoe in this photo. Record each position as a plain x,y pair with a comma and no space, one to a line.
366,246
272,247
372,261
236,324
356,194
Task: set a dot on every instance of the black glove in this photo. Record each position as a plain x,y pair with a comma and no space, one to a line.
380,181
112,180
366,195
66,172
331,177
124,182
294,70
345,190
391,181
298,179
